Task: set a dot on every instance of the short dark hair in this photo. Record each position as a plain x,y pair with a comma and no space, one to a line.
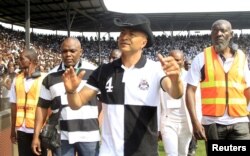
32,55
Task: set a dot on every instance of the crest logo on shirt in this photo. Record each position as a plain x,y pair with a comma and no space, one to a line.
143,85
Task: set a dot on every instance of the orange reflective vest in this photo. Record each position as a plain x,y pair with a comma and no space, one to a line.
222,90
26,102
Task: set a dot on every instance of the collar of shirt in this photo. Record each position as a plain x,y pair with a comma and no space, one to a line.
226,62
77,66
140,64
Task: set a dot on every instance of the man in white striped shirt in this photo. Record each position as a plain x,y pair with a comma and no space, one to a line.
79,128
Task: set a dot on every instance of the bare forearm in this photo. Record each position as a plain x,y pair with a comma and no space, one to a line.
78,99
191,105
192,112
41,115
177,89
173,87
74,100
13,116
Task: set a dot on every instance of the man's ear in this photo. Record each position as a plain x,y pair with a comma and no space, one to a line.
232,34
144,43
82,53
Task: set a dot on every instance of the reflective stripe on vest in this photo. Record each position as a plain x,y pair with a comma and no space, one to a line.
222,90
26,102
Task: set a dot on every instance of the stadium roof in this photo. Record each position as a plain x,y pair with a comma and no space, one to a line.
92,15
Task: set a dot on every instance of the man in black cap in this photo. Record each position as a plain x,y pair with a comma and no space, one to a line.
129,88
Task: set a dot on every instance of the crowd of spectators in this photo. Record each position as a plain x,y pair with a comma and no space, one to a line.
12,43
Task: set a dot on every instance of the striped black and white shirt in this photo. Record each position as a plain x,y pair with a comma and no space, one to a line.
76,125
130,97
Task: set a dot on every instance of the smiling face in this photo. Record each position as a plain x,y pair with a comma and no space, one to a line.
71,51
131,41
221,35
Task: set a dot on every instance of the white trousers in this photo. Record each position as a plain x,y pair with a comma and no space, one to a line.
176,138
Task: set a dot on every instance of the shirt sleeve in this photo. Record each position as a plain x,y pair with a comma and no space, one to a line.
94,78
45,97
247,74
193,76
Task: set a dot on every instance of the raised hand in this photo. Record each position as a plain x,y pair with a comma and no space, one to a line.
169,66
72,80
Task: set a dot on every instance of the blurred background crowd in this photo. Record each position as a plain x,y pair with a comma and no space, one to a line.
47,46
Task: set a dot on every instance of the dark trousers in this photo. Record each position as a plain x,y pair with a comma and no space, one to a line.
238,131
24,141
192,145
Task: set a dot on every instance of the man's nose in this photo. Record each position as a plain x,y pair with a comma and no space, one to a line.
219,33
